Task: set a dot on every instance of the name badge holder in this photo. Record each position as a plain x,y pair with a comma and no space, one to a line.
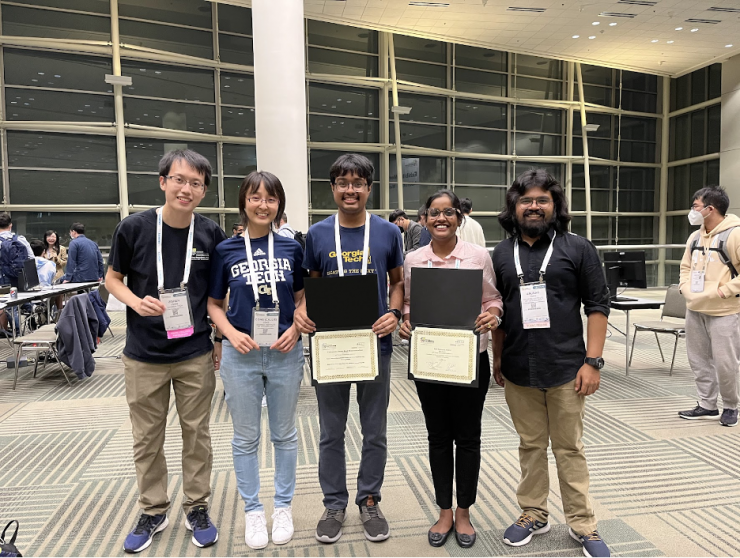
265,321
535,312
178,314
698,275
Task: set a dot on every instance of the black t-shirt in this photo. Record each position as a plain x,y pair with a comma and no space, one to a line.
133,253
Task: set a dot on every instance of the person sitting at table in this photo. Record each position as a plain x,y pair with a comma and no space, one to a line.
463,426
46,269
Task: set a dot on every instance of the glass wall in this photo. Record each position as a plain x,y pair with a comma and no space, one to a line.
478,118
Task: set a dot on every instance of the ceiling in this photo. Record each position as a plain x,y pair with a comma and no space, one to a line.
638,43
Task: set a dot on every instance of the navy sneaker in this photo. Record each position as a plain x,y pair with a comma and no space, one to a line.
204,531
520,533
593,545
141,537
699,413
729,417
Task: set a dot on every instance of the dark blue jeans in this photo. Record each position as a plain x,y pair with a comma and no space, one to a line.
333,402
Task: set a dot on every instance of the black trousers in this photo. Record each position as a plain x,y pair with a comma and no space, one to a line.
453,416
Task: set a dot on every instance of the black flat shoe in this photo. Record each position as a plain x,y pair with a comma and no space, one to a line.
465,541
439,539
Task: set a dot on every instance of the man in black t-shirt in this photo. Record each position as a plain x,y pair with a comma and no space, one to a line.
161,354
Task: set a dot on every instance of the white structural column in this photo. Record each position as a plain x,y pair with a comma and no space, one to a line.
118,103
280,100
729,157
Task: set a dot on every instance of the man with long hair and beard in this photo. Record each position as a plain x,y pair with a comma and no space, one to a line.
545,274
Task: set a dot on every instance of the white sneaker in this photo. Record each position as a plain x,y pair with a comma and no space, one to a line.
282,525
255,534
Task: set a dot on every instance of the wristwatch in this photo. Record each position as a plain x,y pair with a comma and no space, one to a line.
397,313
218,339
597,362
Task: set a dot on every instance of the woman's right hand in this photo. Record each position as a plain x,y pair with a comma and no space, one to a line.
242,342
405,332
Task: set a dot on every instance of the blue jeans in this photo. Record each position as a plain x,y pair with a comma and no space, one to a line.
245,378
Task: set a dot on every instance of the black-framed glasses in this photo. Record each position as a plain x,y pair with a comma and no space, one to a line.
194,184
541,201
447,212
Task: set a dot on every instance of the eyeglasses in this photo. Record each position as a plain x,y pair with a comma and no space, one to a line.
256,200
344,186
194,184
542,202
447,211
697,208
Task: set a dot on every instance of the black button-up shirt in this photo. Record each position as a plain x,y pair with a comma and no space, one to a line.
544,358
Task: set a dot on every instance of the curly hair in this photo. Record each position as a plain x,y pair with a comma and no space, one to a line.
534,178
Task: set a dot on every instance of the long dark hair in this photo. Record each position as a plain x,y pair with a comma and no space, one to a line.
534,178
251,184
46,242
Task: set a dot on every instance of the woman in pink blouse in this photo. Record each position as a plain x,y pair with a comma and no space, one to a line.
453,413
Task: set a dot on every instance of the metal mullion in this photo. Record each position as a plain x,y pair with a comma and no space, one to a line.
62,208
438,64
376,84
55,9
166,24
169,100
165,57
698,106
385,158
411,87
233,33
449,115
151,132
67,46
314,113
485,70
56,169
4,132
221,195
692,160
335,49
59,90
103,128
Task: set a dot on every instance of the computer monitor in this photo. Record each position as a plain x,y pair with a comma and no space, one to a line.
28,279
625,269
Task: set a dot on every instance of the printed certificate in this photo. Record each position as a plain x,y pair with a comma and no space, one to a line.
344,356
444,355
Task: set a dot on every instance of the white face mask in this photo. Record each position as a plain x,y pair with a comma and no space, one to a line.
695,217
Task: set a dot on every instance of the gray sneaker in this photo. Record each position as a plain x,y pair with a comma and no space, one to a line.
373,521
729,417
329,528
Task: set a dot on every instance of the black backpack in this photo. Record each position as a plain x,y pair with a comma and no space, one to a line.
12,255
300,238
719,248
7,548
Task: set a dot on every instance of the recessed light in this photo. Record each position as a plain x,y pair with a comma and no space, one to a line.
612,24
596,23
695,29
679,28
728,46
576,36
592,37
654,41
670,42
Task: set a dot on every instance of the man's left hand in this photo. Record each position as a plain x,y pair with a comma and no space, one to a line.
217,348
587,380
385,325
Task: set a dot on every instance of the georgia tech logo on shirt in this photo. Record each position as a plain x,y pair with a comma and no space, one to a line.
262,273
200,255
352,256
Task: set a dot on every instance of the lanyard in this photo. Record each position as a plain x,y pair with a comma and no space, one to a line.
270,270
543,269
365,245
188,253
457,263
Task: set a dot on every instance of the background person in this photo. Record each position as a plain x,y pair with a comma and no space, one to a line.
453,413
713,306
55,252
470,230
285,229
45,268
237,229
411,230
426,236
248,370
85,262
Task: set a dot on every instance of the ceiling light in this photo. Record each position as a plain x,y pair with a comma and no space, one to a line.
596,23
591,127
612,24
694,30
728,46
670,42
592,37
654,41
576,36
679,28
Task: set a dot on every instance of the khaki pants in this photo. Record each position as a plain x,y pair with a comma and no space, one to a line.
540,416
148,397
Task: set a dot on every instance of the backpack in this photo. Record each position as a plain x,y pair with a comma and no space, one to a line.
12,255
720,249
301,239
7,548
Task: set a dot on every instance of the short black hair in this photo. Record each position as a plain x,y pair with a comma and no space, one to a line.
5,220
396,214
534,178
235,226
193,159
466,206
79,228
714,195
37,246
422,211
252,183
352,163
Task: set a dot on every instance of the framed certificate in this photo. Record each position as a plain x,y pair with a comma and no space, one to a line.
344,356
448,356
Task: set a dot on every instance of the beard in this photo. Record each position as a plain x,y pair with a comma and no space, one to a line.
537,228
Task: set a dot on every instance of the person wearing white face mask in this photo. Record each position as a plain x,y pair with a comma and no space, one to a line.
710,283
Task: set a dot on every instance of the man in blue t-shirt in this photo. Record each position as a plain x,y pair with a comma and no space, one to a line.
351,181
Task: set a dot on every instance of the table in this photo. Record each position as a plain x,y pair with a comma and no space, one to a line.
45,293
626,306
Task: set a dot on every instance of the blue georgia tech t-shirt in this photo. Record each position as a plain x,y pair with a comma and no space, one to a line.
386,253
230,270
